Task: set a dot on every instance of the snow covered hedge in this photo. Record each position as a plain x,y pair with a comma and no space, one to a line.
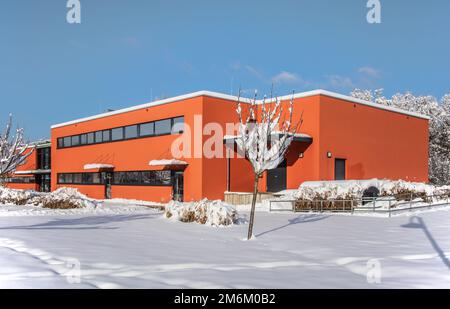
213,213
62,198
354,189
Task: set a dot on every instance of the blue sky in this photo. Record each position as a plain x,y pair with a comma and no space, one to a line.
130,52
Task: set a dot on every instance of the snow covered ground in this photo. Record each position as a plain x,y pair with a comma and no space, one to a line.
132,246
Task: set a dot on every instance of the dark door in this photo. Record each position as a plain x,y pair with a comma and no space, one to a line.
339,169
276,178
178,186
43,182
107,178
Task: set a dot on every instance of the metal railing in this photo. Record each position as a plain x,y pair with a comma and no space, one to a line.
385,204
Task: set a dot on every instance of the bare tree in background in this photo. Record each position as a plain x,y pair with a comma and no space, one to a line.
265,132
12,151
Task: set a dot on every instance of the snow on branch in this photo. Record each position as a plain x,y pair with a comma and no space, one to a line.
12,150
265,132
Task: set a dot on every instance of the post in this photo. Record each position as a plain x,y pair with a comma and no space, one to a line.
373,204
321,205
410,202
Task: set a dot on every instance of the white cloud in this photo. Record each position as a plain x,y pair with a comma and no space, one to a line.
287,78
369,72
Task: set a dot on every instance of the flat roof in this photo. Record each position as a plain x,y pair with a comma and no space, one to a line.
244,100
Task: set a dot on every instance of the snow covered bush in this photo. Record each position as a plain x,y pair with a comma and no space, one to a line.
213,213
15,197
325,192
439,126
63,198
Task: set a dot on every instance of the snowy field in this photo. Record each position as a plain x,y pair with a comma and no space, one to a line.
135,247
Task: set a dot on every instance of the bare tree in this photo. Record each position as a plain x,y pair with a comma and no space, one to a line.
12,151
265,132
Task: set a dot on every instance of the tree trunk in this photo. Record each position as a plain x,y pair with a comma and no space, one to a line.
252,212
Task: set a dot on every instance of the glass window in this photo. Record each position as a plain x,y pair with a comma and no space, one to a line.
163,178
68,178
178,125
75,140
119,177
96,178
99,137
61,178
148,178
133,178
60,143
87,178
77,178
147,129
131,131
106,135
67,141
163,126
90,138
117,134
83,139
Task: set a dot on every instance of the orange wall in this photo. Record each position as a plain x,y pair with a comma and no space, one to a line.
376,143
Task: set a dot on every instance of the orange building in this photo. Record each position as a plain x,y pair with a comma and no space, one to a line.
128,153
35,173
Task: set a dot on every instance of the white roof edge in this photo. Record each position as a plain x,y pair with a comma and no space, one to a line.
244,100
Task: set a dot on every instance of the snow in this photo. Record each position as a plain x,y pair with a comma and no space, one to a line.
145,250
166,162
93,166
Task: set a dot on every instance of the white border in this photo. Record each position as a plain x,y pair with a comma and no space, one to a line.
245,100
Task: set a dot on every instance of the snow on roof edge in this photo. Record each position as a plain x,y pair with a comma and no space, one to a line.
244,100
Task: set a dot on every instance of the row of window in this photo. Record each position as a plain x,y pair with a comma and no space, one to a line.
20,180
136,178
154,128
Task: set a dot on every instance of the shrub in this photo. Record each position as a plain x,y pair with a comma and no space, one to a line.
213,213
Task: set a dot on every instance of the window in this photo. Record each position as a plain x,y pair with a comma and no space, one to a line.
163,177
61,178
77,178
83,139
163,126
160,127
43,158
75,140
148,178
99,136
131,131
106,135
178,125
147,129
90,138
117,134
67,141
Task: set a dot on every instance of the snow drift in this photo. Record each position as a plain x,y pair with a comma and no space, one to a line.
212,213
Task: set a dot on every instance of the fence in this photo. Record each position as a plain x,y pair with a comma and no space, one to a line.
386,204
